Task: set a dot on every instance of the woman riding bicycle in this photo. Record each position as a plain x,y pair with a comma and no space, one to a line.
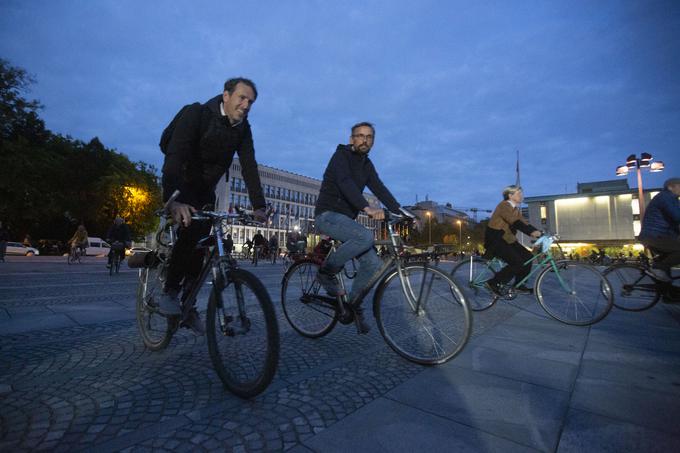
79,239
501,242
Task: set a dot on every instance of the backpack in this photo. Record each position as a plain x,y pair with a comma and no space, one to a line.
170,128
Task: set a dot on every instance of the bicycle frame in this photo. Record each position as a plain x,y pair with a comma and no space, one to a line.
542,259
394,245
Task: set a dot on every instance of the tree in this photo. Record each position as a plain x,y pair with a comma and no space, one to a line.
50,183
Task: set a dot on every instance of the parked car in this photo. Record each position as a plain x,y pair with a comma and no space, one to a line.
97,246
17,248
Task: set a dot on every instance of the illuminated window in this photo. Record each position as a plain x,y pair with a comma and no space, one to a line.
636,227
635,206
544,214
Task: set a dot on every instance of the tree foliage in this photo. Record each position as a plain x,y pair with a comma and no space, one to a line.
49,183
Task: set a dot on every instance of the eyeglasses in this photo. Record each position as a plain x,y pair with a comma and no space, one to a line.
368,138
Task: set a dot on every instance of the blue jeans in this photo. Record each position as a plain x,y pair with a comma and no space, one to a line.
357,242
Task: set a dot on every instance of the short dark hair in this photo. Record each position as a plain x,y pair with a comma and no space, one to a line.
671,182
230,84
364,124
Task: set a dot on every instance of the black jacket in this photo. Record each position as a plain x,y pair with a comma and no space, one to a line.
118,233
344,180
201,150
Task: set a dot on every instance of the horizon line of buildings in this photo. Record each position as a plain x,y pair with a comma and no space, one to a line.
600,213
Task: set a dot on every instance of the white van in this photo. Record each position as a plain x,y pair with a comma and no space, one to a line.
97,246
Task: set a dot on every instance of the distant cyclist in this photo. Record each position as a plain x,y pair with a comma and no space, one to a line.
660,229
79,239
500,240
119,238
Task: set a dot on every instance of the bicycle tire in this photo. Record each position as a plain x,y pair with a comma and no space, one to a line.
69,258
443,323
470,277
310,317
581,309
155,329
234,357
633,289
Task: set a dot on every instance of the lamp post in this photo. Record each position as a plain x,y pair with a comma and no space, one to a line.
644,161
429,221
460,235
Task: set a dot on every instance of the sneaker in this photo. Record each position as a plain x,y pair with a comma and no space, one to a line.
659,274
192,320
362,327
329,283
494,287
168,303
524,289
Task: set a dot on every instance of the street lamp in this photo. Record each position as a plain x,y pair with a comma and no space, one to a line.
460,235
644,161
429,221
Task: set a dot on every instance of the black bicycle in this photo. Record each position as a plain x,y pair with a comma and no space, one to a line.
635,286
242,331
420,312
117,254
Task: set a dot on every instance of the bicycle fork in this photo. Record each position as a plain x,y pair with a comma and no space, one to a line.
220,283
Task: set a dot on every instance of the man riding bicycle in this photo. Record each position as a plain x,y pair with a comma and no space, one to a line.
199,153
660,230
501,242
79,239
119,238
340,201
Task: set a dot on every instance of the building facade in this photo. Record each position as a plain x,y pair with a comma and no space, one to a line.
601,213
292,198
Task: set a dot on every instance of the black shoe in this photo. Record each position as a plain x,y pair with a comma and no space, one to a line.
329,283
494,287
362,327
524,289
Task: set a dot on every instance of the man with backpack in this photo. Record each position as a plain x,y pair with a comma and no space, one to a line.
199,146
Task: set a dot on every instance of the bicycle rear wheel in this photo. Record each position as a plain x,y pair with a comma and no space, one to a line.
70,258
434,331
242,333
470,275
156,330
303,301
575,293
633,289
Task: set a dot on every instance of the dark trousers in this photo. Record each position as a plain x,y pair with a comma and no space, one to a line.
670,247
186,259
515,255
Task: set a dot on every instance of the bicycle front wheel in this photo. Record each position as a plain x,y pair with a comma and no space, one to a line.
304,303
574,293
633,289
156,330
425,318
470,275
242,333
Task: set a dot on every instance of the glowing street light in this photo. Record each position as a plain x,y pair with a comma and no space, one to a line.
460,235
644,161
429,220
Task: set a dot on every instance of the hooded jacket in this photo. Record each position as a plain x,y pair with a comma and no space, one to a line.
344,180
202,149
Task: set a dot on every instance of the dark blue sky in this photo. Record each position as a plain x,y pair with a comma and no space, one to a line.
454,88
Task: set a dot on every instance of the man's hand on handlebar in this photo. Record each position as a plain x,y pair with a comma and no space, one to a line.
374,213
181,213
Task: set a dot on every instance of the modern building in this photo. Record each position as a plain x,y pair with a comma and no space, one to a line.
428,209
292,198
600,213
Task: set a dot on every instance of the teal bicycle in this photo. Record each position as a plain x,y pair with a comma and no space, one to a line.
572,292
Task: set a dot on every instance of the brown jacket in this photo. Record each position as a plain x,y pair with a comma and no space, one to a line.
504,223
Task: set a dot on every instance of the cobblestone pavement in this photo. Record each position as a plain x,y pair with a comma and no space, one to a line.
93,385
